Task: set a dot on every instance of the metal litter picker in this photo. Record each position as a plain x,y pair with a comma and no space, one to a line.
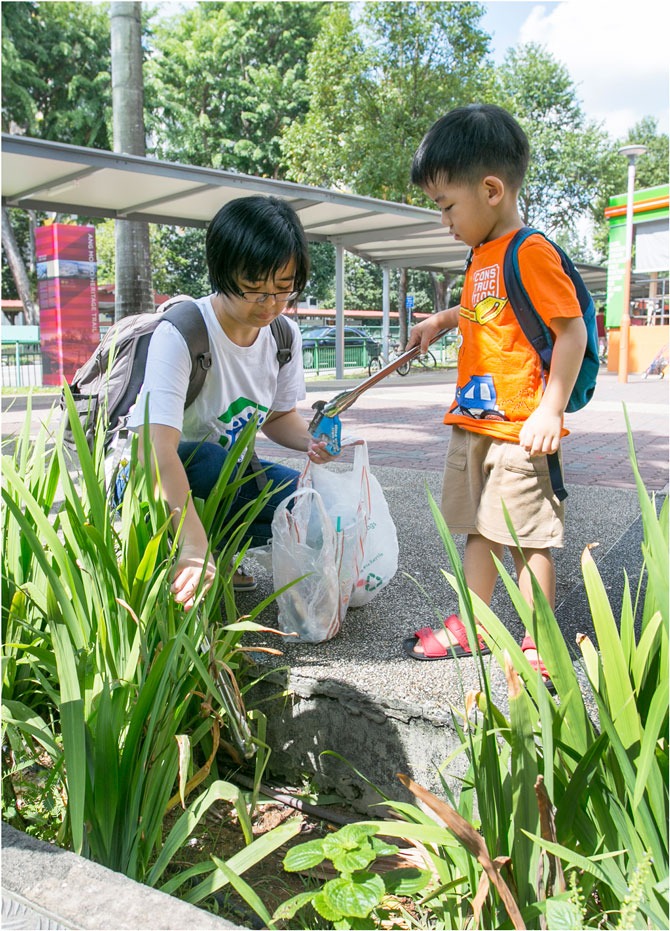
326,423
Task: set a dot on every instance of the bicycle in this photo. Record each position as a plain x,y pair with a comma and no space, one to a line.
427,361
377,363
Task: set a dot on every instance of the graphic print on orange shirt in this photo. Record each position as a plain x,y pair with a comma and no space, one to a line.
500,379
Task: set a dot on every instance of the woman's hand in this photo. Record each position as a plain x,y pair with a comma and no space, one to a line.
317,452
290,429
192,566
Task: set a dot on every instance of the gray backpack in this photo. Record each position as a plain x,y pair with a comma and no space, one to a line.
110,380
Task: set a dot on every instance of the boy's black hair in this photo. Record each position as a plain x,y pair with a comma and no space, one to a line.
469,143
252,238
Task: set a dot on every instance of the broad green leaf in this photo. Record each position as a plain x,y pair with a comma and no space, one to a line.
325,907
354,896
563,915
304,856
406,881
347,861
289,909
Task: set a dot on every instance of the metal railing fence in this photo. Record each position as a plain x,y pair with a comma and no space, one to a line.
21,365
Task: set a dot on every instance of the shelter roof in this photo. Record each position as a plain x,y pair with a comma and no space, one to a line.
38,174
41,175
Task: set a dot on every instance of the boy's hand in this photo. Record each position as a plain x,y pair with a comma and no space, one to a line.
541,433
423,334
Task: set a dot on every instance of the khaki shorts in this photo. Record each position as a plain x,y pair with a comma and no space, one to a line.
482,472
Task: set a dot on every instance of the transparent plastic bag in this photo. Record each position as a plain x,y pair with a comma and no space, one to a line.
304,549
345,496
351,496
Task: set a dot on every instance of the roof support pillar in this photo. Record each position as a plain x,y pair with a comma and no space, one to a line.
339,311
386,311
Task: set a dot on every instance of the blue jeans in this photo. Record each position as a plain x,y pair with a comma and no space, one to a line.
203,463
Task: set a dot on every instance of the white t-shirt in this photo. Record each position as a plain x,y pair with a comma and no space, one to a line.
241,381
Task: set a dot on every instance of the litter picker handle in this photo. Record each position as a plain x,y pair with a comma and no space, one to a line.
347,398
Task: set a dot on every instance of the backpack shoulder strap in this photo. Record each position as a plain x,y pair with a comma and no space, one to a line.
186,317
283,334
529,320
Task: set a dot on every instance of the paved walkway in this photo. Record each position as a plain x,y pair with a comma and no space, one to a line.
401,419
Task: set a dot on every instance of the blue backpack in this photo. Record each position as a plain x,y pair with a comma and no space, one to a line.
536,330
540,338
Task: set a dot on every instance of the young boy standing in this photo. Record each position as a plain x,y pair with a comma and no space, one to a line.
507,415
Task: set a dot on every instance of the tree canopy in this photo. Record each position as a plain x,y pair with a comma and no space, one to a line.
56,72
226,79
333,94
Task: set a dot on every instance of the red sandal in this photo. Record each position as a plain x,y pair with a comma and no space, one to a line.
527,645
434,650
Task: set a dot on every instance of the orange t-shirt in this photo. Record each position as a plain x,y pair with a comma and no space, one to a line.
499,372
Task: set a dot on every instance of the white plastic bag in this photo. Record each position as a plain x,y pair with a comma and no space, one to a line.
359,490
303,544
380,550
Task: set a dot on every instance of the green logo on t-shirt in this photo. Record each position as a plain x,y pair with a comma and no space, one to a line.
237,416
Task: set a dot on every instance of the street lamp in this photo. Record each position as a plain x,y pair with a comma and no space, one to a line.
632,153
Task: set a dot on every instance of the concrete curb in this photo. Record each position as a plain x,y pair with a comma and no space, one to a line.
44,886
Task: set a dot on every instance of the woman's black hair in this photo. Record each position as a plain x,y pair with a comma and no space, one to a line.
252,238
469,143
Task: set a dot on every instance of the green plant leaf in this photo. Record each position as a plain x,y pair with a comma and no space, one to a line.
655,730
243,889
74,746
242,861
30,723
621,698
563,915
354,896
347,861
304,856
406,881
290,907
325,907
597,866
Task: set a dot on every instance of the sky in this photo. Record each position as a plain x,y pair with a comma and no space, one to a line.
616,52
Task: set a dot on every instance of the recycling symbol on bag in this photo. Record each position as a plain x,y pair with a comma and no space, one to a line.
372,582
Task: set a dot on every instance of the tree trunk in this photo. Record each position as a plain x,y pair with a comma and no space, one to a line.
18,270
133,292
402,311
441,290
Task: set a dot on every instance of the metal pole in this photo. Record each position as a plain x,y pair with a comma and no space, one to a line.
631,152
386,312
339,311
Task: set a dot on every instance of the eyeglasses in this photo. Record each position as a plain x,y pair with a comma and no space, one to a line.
261,297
